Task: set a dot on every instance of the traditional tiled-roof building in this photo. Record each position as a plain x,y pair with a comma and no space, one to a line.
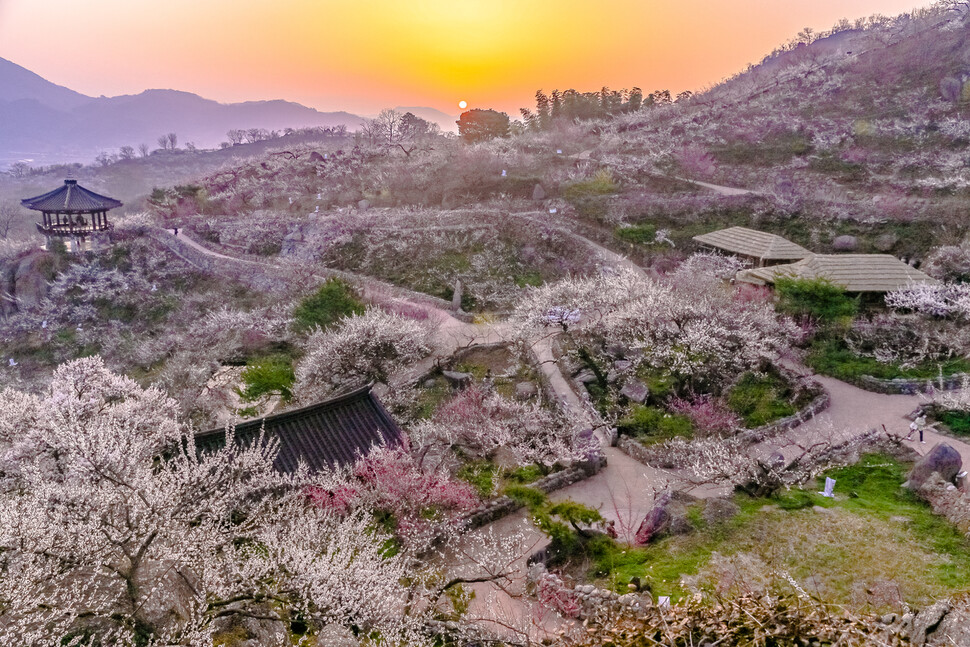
328,434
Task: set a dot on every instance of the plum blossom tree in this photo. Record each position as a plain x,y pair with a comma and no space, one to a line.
478,422
696,331
361,349
115,530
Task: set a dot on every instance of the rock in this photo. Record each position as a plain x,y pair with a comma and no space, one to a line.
430,383
845,243
526,390
942,459
885,242
619,351
456,379
316,157
30,279
927,620
622,365
635,391
538,193
954,628
363,205
720,510
585,376
334,635
656,523
679,521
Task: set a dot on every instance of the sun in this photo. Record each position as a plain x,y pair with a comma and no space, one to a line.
462,104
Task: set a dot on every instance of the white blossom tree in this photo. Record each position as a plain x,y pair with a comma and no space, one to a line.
363,348
113,528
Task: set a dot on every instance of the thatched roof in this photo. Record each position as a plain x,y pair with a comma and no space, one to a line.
756,244
854,272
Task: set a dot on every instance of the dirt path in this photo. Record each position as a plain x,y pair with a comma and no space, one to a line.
719,188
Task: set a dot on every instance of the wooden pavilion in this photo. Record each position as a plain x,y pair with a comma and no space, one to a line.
71,211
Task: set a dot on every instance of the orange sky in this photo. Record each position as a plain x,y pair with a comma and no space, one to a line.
364,55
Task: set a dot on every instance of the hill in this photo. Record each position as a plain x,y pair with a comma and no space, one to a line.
47,123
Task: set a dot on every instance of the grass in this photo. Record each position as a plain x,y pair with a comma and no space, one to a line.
760,399
490,480
956,421
332,302
651,425
874,535
637,234
833,358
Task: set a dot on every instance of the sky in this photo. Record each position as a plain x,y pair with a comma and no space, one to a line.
365,55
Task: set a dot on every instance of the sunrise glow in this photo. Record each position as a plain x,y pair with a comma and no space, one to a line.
364,56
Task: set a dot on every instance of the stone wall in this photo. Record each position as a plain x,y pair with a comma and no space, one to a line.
653,455
901,386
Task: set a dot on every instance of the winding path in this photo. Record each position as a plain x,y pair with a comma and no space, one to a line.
624,490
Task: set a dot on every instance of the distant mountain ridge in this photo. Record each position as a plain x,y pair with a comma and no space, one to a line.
49,123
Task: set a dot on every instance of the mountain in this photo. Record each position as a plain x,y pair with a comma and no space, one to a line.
443,119
19,84
48,123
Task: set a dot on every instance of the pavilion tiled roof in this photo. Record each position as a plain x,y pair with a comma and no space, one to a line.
71,198
854,272
753,243
328,434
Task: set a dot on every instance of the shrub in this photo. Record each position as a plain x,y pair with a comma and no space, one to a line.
957,421
637,234
760,399
814,298
654,425
602,183
271,375
332,302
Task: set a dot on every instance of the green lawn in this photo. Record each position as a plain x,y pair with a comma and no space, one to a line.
832,358
873,535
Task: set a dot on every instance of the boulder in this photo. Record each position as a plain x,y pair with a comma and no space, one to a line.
316,157
942,459
334,635
585,376
538,193
720,510
456,379
635,391
526,390
363,205
622,365
885,242
656,523
954,627
927,621
31,279
845,243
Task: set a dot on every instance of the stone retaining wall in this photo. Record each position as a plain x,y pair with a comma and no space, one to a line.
649,455
902,386
499,507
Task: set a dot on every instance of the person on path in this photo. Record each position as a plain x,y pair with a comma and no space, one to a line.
919,424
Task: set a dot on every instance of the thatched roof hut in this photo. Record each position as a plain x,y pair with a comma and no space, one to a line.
760,247
855,272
